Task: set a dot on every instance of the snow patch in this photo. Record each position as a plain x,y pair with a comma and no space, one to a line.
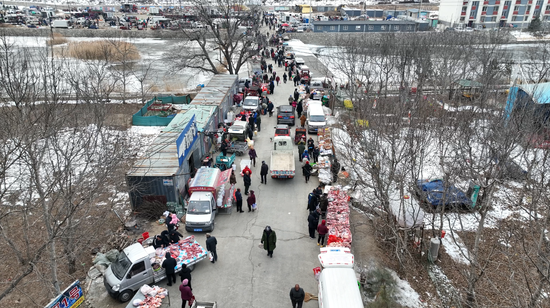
404,294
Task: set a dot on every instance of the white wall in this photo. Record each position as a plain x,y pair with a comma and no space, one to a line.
449,11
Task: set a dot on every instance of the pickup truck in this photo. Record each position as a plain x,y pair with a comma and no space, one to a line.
136,266
282,158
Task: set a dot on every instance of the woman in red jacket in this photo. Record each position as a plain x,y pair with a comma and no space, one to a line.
322,230
186,294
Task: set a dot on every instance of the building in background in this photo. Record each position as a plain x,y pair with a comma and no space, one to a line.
492,13
375,26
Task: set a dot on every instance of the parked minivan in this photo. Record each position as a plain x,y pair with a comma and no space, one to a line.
315,118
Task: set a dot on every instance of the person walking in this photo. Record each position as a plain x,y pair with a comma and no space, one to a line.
284,77
250,132
270,108
277,79
247,181
272,87
322,230
211,243
185,273
223,148
290,100
313,221
303,119
296,94
263,173
269,239
312,202
305,155
301,148
169,265
252,154
310,144
315,154
307,169
251,200
252,122
186,294
232,178
239,200
299,108
297,296
259,122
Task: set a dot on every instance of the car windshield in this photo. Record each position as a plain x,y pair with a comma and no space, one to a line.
121,265
281,131
317,118
251,102
236,127
286,110
199,207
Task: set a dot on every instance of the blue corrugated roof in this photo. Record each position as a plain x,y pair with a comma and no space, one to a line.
539,92
161,157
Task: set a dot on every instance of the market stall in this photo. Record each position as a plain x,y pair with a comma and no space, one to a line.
148,296
337,218
187,251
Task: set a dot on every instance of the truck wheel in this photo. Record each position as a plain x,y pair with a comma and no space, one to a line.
125,296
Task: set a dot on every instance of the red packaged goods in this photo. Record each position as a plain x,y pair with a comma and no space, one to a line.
337,218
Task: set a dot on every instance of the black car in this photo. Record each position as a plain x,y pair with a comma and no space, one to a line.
285,115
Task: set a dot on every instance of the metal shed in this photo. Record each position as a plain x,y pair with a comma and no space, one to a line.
218,92
161,174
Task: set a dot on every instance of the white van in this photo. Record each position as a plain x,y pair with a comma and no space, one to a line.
315,118
337,282
60,23
300,62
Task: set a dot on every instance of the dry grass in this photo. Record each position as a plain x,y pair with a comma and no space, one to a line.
103,50
57,39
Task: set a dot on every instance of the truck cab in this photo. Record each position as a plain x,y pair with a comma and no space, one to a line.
129,272
237,131
201,212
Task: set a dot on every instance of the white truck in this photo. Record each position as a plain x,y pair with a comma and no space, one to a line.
136,266
208,195
337,281
282,158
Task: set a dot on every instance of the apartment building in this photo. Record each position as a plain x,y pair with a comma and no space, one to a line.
492,13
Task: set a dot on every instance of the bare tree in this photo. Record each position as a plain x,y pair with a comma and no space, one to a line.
227,41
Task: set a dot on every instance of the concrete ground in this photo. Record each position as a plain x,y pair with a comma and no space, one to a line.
244,275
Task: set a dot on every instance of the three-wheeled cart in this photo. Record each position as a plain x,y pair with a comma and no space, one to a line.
300,133
224,162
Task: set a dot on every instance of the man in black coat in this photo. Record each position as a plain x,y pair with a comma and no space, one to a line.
175,236
239,200
270,108
263,172
296,94
159,242
211,243
247,181
169,265
185,273
297,296
224,148
251,121
312,204
313,221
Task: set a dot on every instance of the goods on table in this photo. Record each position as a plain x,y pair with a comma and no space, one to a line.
338,219
225,197
153,297
185,251
325,141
